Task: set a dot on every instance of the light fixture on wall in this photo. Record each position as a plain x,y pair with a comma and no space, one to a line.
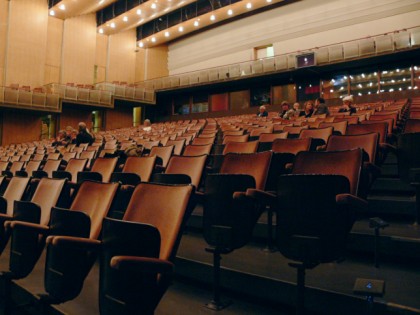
52,12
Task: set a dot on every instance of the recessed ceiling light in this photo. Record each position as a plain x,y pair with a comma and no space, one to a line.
153,5
112,25
138,11
268,1
249,5
101,30
125,18
167,34
62,7
181,28
196,23
212,17
230,12
153,39
141,44
52,13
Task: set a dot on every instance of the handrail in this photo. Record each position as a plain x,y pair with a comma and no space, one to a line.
27,98
385,43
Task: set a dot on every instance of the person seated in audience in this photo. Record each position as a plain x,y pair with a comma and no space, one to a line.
83,136
147,125
62,139
262,111
320,107
285,109
73,136
308,110
348,105
293,112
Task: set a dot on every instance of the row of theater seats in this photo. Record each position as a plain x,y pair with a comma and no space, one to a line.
242,187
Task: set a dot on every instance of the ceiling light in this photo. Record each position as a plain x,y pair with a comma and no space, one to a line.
249,5
102,1
268,1
101,30
167,34
181,28
153,5
230,12
125,18
212,17
138,11
141,44
112,25
196,23
153,39
52,13
62,7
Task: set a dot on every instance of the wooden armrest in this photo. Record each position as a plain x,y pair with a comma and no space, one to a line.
352,201
267,198
41,229
73,241
142,264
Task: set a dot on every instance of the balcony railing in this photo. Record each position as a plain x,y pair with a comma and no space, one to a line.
81,94
351,50
128,91
31,99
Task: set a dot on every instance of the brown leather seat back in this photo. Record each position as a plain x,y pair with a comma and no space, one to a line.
166,214
14,191
46,196
293,146
339,126
16,166
412,125
203,141
32,166
196,150
178,145
243,138
3,165
368,142
346,163
192,166
254,164
270,137
75,166
95,199
320,133
51,166
379,127
295,130
164,153
142,166
105,167
240,147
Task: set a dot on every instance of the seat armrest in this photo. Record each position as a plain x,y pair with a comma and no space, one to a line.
5,217
72,241
266,198
352,201
34,227
141,264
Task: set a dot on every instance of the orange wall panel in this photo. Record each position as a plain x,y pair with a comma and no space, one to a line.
119,117
21,127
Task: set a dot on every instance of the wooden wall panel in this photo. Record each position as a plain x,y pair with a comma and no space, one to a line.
4,7
101,50
119,117
140,65
122,56
54,51
157,62
21,127
27,42
72,117
79,49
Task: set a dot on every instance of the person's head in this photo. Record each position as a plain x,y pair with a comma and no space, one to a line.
309,106
318,101
82,126
147,122
348,101
296,106
73,133
285,105
262,109
61,134
69,129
